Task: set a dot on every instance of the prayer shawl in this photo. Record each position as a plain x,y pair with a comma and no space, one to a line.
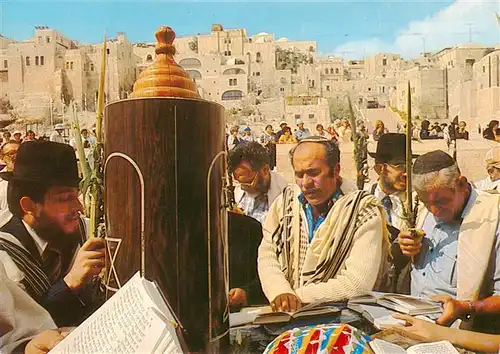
355,222
476,241
21,318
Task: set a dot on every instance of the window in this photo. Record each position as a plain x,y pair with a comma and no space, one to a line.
232,95
383,89
326,71
227,53
413,90
384,62
257,73
5,64
67,65
149,57
47,39
484,68
39,39
27,61
331,71
327,87
233,82
71,65
297,116
369,89
258,57
336,71
311,115
91,66
107,51
42,60
282,89
36,60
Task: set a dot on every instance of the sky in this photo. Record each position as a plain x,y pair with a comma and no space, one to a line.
351,29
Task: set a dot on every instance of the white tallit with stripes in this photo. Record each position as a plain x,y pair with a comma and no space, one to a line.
332,241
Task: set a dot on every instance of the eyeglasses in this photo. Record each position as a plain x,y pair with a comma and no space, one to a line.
251,184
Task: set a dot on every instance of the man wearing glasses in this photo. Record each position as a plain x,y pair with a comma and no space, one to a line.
492,182
258,186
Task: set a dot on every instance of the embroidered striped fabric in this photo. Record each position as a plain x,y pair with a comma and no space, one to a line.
35,281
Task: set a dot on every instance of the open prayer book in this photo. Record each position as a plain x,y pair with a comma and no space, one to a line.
401,303
380,346
308,311
135,320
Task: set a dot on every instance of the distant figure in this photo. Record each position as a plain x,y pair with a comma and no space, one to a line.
379,130
345,131
302,132
492,182
283,124
462,133
287,137
268,140
17,137
6,137
424,129
489,133
56,135
248,135
30,136
320,131
8,154
233,138
332,132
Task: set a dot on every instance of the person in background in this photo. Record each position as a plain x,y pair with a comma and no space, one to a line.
8,154
345,131
248,135
320,131
56,135
489,133
492,182
268,140
424,129
30,136
496,133
332,132
283,124
287,137
17,137
462,132
301,132
234,138
379,130
6,137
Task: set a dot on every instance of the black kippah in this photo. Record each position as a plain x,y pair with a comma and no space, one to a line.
431,162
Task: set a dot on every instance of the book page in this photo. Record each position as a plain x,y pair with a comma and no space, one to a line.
443,347
160,337
380,346
118,326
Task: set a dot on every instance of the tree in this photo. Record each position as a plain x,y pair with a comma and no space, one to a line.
5,106
193,44
339,108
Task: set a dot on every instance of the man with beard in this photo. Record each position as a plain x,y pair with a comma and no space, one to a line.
43,244
457,261
323,240
390,189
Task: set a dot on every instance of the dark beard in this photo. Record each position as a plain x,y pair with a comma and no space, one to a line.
48,231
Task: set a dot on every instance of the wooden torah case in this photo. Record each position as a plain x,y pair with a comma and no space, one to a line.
164,197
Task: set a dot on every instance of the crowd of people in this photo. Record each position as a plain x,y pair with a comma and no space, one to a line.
323,239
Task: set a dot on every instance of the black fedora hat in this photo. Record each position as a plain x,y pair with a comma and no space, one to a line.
391,148
45,162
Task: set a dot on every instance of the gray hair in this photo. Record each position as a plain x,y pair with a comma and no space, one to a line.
437,179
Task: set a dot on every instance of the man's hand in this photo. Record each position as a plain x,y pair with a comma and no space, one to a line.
237,297
410,242
453,309
430,331
286,303
45,341
88,262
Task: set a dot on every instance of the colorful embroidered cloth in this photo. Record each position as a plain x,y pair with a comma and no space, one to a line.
321,339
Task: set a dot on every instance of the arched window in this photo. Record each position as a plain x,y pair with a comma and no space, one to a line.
232,95
149,57
233,71
336,71
195,74
190,62
258,57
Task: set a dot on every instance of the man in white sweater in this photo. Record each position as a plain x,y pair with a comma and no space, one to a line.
323,241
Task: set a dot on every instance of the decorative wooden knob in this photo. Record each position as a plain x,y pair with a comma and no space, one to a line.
164,78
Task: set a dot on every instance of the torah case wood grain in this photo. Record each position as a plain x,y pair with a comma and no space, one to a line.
165,208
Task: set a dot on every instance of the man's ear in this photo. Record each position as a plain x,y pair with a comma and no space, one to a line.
29,206
463,183
379,167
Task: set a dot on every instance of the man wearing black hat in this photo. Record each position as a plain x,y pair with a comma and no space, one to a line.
459,256
43,242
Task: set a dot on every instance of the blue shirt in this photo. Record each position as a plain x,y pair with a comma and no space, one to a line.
301,134
313,225
435,268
